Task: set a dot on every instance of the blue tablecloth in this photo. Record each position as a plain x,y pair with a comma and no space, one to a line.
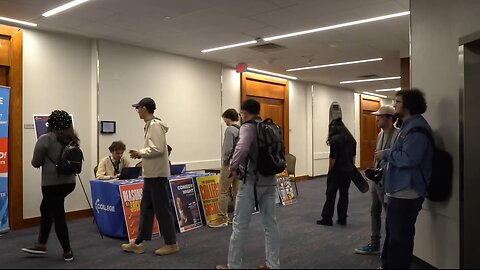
108,208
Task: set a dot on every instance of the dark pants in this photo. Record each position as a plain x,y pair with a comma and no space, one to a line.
398,247
52,210
155,200
337,181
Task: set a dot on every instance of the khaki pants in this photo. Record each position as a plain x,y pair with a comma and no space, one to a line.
225,184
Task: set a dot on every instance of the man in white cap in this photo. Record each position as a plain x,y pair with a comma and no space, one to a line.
386,138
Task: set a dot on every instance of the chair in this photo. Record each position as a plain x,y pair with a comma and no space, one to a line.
291,162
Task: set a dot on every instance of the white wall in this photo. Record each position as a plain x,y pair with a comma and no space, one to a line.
323,96
435,38
231,93
187,93
298,92
57,75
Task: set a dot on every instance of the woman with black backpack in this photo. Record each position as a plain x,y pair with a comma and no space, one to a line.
56,184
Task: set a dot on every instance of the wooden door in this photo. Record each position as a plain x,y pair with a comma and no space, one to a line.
272,94
368,130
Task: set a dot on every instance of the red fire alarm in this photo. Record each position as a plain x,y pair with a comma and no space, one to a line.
242,67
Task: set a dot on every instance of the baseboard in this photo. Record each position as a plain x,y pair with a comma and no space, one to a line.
302,178
34,222
421,264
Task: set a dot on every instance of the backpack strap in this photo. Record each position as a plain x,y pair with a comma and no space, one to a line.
254,121
425,132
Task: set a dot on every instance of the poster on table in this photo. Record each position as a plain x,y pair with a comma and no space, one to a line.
131,196
208,187
286,190
4,109
186,204
40,123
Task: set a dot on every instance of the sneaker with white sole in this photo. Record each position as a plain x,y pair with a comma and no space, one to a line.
218,223
370,249
37,249
68,256
133,248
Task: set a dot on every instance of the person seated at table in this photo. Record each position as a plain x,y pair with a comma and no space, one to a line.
111,166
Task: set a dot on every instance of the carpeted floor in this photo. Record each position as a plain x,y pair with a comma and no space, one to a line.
304,244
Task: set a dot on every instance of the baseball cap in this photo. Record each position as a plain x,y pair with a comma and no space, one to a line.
385,110
146,102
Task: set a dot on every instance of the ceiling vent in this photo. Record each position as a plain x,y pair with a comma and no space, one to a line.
268,47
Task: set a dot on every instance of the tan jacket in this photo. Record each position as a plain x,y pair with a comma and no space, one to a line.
107,171
155,153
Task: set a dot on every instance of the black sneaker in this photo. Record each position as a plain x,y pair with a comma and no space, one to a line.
325,222
68,256
342,222
37,249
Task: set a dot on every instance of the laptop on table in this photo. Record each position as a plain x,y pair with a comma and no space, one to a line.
130,173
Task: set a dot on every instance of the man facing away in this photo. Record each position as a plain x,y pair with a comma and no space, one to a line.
386,138
243,166
407,177
156,170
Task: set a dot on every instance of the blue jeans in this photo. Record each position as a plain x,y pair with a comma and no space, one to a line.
243,213
401,218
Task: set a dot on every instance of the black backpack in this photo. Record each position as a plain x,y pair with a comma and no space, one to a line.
271,150
440,187
70,160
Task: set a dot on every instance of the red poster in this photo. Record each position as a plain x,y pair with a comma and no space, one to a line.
3,155
131,195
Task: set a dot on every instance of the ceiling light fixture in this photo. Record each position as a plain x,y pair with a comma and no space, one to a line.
18,21
385,17
229,46
375,95
271,73
63,8
336,64
389,89
371,80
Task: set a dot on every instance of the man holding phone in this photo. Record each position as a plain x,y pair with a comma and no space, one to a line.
156,170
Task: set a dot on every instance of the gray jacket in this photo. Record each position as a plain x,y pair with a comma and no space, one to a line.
384,144
246,154
48,146
231,133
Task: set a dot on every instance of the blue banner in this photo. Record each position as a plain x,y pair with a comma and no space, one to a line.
4,109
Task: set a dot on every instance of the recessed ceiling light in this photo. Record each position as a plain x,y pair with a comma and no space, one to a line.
271,73
167,17
229,46
389,89
375,95
337,64
371,80
385,17
18,21
63,7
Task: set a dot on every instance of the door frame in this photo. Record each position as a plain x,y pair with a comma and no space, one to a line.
371,98
285,97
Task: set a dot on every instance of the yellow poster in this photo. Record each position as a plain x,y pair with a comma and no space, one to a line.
209,193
